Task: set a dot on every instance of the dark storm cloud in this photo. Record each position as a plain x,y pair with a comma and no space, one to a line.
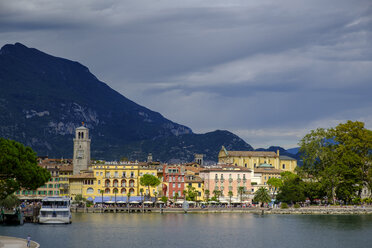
267,70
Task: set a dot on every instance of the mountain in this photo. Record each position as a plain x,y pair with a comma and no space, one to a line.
290,152
293,150
44,98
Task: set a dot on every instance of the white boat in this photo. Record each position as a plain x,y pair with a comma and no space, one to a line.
55,210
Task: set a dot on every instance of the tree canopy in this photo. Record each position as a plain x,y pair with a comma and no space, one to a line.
19,168
149,180
339,159
262,195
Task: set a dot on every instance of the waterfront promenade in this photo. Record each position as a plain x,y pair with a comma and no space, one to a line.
328,210
12,242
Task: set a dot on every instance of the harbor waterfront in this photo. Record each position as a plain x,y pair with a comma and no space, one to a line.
200,230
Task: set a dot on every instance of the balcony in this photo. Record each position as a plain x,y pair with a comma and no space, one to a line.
239,180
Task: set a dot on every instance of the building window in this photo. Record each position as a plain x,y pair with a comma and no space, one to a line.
174,185
97,173
116,174
254,165
170,179
99,182
245,165
131,174
283,166
179,185
199,185
90,191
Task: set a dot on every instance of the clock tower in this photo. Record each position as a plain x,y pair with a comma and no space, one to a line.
81,158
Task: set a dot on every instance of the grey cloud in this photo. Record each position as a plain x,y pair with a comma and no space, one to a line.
253,67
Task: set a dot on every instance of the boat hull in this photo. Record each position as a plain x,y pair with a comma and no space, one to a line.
56,220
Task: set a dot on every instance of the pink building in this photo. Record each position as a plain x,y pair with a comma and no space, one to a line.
226,178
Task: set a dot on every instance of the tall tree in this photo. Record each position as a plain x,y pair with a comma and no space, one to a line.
19,168
241,191
230,193
274,183
262,195
149,180
207,193
339,158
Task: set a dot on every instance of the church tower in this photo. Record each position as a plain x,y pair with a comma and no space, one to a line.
81,158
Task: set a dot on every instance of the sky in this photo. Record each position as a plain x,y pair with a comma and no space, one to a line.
268,71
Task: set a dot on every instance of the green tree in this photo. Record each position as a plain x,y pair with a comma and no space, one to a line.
175,197
339,158
141,193
164,199
292,190
230,193
11,201
19,168
262,195
149,180
207,193
191,193
79,199
313,190
241,191
274,183
216,194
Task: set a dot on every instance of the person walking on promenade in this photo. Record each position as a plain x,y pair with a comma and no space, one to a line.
28,241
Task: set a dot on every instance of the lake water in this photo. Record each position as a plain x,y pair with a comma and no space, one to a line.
200,230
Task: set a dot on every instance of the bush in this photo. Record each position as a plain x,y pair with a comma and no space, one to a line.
284,205
356,200
296,205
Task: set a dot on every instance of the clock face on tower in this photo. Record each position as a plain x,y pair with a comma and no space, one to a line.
80,153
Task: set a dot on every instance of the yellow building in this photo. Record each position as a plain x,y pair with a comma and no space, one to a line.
264,172
197,183
113,182
64,173
253,159
81,184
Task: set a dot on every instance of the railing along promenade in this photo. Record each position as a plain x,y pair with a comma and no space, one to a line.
320,210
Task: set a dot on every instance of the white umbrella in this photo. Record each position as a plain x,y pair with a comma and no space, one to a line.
159,202
224,201
212,202
120,202
148,202
135,202
109,202
179,202
191,202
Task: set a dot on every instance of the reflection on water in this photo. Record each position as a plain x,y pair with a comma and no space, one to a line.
200,230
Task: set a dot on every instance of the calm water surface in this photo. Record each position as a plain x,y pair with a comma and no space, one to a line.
200,230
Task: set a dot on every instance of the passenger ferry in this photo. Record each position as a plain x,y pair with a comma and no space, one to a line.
55,210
